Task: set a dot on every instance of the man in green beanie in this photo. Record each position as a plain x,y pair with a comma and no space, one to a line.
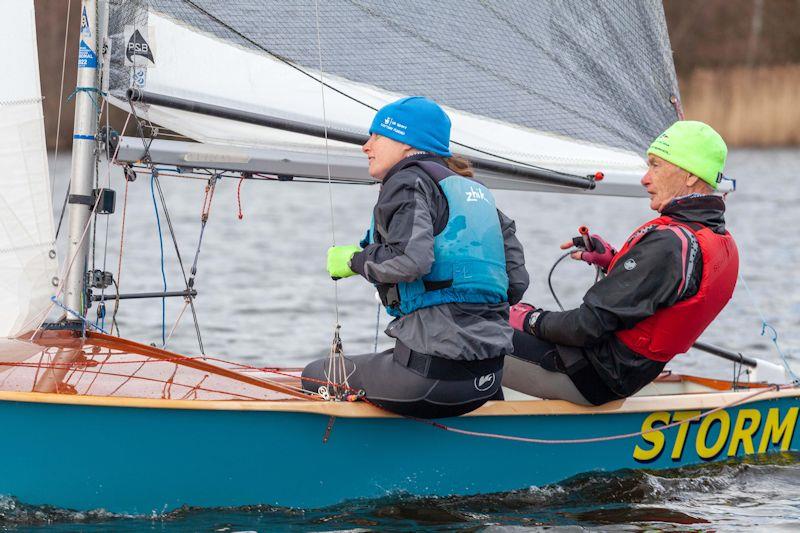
663,288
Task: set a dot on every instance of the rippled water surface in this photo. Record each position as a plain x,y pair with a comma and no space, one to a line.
759,494
265,298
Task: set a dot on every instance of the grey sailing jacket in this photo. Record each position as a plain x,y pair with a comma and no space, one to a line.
411,210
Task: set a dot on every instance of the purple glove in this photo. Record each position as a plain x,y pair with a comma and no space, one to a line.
602,254
518,316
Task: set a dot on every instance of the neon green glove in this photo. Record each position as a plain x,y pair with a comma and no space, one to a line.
339,259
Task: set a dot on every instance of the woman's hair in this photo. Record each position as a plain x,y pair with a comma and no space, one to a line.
460,166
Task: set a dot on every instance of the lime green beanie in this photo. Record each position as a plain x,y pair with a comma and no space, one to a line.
693,146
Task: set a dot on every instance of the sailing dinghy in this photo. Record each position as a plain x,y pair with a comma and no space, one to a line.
544,97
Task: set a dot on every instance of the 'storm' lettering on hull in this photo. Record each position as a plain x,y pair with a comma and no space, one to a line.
716,434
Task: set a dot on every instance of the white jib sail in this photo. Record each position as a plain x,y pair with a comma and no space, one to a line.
28,260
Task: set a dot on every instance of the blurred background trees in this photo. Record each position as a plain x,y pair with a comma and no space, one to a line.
738,64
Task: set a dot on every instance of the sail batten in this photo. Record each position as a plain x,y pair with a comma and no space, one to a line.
515,170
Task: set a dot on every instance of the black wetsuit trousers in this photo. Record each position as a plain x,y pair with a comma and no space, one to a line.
415,387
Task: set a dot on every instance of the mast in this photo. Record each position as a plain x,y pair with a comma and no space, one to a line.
81,195
83,157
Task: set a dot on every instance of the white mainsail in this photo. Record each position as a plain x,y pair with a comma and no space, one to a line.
188,54
28,262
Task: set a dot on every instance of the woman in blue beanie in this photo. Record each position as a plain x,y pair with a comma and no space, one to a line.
445,263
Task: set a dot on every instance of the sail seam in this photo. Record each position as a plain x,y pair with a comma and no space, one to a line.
23,101
50,245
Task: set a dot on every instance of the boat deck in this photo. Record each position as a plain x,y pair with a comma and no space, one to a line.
107,370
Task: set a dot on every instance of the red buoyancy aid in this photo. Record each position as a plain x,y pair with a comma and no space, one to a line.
672,330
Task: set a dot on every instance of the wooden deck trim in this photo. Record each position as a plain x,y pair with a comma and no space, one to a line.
363,410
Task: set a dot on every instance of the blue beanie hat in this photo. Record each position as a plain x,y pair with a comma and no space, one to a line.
417,122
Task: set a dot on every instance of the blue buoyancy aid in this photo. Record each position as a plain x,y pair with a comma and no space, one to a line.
469,255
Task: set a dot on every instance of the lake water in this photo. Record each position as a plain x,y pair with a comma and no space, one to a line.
265,298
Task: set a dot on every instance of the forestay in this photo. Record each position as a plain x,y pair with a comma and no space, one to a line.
28,261
573,86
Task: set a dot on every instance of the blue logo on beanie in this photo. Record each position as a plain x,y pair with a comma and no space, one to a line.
417,122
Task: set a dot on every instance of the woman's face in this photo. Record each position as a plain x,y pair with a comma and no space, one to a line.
383,153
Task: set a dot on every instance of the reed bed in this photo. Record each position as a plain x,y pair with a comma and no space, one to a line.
749,106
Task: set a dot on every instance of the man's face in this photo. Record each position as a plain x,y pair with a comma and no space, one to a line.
663,181
383,153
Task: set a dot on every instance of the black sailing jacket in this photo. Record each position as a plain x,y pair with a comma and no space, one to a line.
618,302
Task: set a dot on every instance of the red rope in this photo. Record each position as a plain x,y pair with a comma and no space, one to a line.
186,385
207,199
104,361
84,364
239,198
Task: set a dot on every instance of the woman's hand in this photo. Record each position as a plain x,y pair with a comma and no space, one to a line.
339,260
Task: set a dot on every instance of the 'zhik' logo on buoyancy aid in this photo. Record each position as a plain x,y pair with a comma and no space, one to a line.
137,46
474,195
484,383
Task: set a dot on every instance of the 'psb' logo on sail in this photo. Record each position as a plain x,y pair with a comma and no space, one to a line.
138,48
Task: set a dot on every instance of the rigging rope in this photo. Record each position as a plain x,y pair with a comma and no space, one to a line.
377,327
97,109
177,321
591,440
550,278
153,177
60,109
189,298
101,305
337,371
211,186
766,326
360,395
189,282
85,321
117,281
240,214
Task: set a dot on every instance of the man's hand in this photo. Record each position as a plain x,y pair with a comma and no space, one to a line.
339,260
518,316
601,256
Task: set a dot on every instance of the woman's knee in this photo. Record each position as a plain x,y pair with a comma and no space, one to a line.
313,375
